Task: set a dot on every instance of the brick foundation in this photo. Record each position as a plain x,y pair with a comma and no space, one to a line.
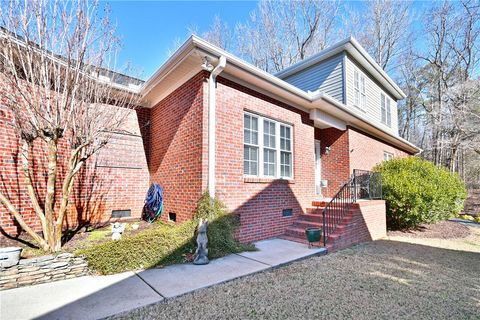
368,223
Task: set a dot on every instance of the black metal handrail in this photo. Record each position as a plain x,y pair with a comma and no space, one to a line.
361,185
336,209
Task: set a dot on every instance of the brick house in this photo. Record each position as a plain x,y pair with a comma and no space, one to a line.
266,145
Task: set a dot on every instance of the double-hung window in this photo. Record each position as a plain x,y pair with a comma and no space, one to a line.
250,145
267,147
285,151
359,88
386,110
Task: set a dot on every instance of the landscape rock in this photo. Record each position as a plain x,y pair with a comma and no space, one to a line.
43,269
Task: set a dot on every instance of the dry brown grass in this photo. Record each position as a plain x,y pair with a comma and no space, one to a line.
380,280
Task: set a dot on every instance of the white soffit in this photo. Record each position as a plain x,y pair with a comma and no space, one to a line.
324,120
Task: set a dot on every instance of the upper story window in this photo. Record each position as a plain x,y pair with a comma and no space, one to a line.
359,88
386,110
387,156
268,154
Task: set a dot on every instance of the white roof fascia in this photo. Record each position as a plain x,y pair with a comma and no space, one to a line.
309,98
231,59
167,67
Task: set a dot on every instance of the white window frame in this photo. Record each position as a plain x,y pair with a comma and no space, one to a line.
260,167
257,146
359,88
385,109
387,156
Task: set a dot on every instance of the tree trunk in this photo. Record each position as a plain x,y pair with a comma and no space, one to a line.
50,196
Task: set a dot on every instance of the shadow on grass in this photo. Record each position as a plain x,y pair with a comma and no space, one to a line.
392,265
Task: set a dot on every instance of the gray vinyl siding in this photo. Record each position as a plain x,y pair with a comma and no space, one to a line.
326,76
373,93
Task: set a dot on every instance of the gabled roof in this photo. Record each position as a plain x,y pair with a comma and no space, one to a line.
351,46
187,61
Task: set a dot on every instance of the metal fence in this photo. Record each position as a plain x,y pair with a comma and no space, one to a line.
366,185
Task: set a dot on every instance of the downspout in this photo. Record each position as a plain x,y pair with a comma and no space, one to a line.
212,123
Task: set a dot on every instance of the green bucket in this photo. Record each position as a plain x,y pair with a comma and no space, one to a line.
313,234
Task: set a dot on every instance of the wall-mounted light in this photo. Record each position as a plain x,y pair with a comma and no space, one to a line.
327,150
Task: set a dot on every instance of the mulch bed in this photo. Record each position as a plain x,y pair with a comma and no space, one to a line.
75,241
440,230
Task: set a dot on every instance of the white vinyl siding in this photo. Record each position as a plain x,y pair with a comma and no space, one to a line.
269,154
326,76
373,92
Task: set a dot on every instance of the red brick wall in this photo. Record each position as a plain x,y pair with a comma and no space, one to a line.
178,147
260,202
114,179
368,223
367,151
335,164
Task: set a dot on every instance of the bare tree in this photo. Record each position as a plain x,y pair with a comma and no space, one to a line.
219,34
384,30
280,34
54,60
451,57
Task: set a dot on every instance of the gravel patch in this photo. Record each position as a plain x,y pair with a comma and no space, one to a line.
380,280
440,230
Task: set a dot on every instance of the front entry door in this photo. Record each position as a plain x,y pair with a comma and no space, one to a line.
318,169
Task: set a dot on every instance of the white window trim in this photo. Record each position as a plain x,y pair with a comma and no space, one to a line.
361,89
387,156
277,148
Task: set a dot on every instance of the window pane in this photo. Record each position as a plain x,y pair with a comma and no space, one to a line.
254,137
269,162
254,124
389,113
269,134
253,168
246,136
250,132
250,160
382,106
285,164
285,138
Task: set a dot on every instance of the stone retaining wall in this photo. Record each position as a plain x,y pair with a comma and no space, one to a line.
42,269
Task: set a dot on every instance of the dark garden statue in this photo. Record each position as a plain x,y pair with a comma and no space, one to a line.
201,255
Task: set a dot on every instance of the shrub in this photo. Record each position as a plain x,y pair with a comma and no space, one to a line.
416,191
221,227
164,244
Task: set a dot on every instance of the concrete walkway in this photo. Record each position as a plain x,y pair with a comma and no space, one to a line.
95,297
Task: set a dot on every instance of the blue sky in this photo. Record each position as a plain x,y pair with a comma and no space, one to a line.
150,28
